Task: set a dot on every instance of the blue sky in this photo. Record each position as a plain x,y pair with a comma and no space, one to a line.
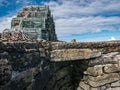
84,20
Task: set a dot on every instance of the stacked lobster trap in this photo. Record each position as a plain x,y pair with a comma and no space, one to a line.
32,23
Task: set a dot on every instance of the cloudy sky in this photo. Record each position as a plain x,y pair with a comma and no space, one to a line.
84,20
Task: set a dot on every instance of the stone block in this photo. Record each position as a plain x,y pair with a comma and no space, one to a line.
79,88
115,84
73,54
102,80
116,88
97,88
84,85
111,68
94,71
110,57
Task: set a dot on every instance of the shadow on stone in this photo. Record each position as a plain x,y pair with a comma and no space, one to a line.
61,76
76,72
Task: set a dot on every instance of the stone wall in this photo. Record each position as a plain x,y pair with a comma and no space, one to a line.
19,63
103,73
63,51
59,66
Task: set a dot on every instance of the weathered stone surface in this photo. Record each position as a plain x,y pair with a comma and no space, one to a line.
118,59
94,88
94,71
115,84
110,58
116,88
102,80
73,54
111,68
84,86
5,71
103,87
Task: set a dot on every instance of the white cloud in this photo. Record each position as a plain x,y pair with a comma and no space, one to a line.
82,25
5,22
83,16
84,7
26,2
112,38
